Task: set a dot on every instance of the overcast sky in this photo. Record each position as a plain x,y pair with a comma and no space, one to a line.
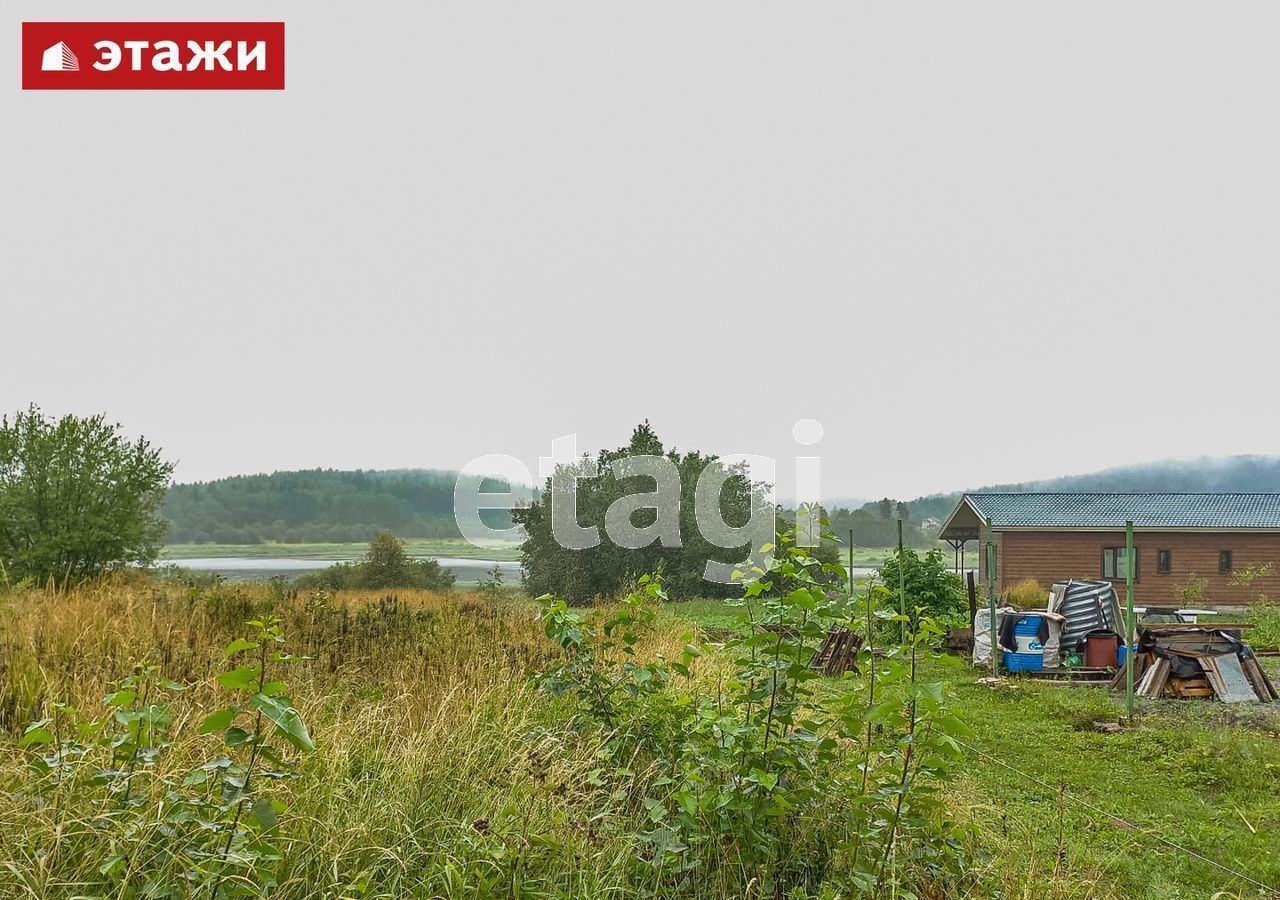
978,242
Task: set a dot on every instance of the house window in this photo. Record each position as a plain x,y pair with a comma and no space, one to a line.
1224,562
1164,562
1114,564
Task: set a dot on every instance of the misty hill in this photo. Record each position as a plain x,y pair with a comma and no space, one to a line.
318,505
330,506
1205,474
875,524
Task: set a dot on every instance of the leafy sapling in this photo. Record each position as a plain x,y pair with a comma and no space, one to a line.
240,816
142,728
60,745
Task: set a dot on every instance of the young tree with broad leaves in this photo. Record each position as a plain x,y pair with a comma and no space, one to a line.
76,498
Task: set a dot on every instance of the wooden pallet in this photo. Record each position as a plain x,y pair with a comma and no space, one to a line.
1189,688
838,653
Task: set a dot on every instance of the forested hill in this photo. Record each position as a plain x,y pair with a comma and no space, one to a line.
317,506
328,506
1206,474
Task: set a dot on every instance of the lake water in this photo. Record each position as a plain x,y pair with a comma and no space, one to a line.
239,568
243,568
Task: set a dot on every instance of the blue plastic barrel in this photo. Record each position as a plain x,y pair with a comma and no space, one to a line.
1023,662
1026,634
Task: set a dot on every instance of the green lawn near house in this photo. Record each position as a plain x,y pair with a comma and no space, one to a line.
1199,774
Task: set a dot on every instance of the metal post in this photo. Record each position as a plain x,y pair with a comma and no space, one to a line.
1130,625
991,601
851,564
902,585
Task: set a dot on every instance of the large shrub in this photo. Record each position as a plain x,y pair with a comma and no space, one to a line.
386,564
76,498
930,584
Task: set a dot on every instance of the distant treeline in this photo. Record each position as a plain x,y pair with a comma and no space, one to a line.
319,506
873,528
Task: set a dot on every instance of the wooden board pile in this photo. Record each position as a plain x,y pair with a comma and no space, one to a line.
1179,661
838,653
959,640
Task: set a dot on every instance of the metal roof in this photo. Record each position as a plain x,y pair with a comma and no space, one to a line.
1112,510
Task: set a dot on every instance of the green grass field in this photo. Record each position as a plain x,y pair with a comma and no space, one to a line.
1202,775
454,547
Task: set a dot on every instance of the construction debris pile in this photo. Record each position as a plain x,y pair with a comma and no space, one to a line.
1182,661
1076,611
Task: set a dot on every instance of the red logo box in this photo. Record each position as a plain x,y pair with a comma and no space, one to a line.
153,56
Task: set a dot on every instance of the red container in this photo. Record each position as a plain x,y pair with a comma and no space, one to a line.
1101,649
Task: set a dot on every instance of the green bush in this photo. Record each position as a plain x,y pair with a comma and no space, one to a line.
1265,616
606,570
930,584
386,564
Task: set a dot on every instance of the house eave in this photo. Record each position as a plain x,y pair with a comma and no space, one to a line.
948,531
1144,529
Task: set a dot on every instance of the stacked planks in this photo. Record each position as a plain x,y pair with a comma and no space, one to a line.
838,653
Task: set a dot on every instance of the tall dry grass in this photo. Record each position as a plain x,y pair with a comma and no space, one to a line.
437,773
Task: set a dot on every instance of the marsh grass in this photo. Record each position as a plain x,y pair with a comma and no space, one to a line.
438,771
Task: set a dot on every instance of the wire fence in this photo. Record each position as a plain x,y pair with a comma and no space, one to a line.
1121,821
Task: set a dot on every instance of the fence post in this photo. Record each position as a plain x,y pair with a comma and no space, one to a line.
972,590
1130,625
902,586
851,563
991,600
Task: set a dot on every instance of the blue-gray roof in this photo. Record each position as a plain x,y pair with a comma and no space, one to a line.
1099,510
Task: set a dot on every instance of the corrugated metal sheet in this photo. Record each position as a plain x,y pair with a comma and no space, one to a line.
1088,606
1234,687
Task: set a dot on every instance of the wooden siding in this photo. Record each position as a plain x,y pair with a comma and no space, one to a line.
1049,556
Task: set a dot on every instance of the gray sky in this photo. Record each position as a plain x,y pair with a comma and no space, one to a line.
468,228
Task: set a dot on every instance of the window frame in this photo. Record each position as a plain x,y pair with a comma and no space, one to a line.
1225,556
1164,562
1115,552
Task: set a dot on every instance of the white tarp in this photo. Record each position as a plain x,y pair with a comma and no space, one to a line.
982,632
982,637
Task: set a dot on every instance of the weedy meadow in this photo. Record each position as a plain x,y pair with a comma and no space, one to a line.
229,741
